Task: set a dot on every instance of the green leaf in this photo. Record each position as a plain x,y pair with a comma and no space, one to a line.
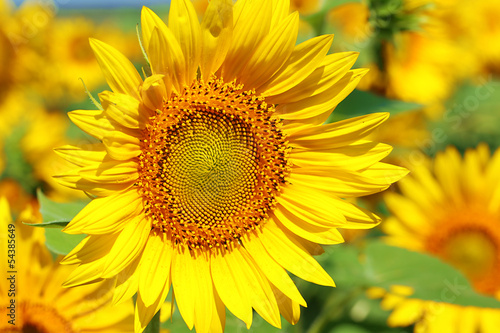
60,242
16,166
55,212
359,103
381,265
431,278
55,224
56,215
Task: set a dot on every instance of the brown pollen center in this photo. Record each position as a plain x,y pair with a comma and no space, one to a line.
212,162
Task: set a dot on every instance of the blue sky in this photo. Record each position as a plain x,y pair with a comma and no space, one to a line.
103,3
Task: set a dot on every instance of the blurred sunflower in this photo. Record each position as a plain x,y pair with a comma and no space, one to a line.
215,174
351,21
70,57
450,209
41,304
306,7
481,40
408,47
26,151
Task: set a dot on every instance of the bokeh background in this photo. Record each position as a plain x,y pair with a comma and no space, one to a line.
434,65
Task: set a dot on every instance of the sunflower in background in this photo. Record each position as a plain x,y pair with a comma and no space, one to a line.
41,303
70,59
306,7
215,174
43,57
26,148
449,208
475,26
408,48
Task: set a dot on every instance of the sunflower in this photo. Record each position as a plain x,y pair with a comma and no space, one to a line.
69,56
214,174
31,295
26,151
449,208
484,16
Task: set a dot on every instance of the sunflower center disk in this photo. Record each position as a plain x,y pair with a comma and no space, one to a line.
212,163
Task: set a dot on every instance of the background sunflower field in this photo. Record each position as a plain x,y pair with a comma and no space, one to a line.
434,66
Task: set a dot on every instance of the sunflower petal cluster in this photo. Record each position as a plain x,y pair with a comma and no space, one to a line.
214,174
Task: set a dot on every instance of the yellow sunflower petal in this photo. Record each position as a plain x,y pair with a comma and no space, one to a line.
263,299
86,273
273,271
340,182
356,217
301,198
489,320
112,172
385,173
407,313
252,21
89,249
183,23
105,215
226,270
218,322
281,9
292,222
128,245
154,91
120,73
301,63
193,289
107,318
338,134
316,109
216,36
121,146
82,155
289,308
127,283
446,168
335,67
73,180
92,122
271,53
123,109
144,313
468,320
293,256
165,53
155,268
356,156
238,271
409,214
